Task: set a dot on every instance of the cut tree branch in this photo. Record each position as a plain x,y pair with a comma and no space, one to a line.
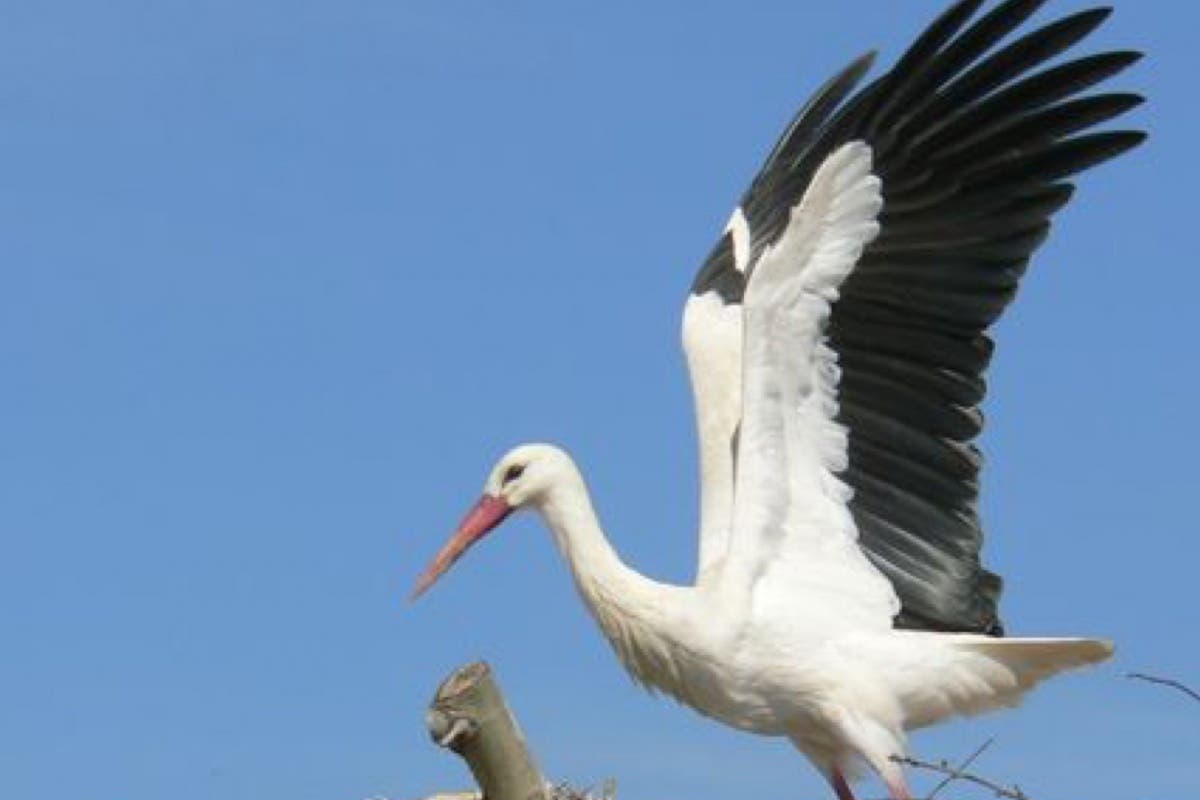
468,715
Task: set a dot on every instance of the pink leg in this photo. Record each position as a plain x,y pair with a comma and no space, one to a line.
897,786
840,786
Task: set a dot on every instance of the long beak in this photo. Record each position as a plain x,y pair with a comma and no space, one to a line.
489,512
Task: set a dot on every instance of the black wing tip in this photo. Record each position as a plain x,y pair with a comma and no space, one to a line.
1119,141
847,77
1015,12
861,64
1118,60
1087,20
1101,12
958,14
1127,140
1127,101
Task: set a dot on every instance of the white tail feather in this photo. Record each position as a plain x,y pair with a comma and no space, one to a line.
979,673
1033,660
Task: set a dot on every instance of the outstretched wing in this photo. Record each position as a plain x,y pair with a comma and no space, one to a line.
793,538
973,139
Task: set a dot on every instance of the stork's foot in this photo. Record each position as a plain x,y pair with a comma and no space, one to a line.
840,786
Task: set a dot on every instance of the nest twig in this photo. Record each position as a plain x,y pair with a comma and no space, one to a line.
555,791
952,774
1174,684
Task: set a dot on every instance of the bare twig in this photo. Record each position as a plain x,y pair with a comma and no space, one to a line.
949,779
557,791
563,791
1141,676
957,774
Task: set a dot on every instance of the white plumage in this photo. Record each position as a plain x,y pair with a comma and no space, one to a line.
820,664
835,341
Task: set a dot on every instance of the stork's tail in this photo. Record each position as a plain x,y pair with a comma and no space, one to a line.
1033,660
984,672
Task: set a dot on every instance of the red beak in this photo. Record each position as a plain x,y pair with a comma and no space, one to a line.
489,512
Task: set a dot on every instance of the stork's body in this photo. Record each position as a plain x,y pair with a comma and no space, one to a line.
836,340
843,684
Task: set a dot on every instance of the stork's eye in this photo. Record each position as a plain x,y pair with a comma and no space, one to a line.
513,472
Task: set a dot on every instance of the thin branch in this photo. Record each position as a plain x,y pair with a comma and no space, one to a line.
556,791
563,791
1140,676
949,779
957,774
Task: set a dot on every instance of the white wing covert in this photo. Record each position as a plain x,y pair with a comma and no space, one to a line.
712,341
793,537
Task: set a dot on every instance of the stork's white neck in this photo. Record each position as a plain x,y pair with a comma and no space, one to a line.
599,572
643,619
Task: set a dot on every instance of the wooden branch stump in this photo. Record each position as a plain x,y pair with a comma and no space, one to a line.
469,716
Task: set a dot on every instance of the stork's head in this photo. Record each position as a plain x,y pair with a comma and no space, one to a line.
520,479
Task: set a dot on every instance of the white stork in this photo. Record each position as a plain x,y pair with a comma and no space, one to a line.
836,340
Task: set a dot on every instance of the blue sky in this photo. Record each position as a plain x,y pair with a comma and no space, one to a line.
279,280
